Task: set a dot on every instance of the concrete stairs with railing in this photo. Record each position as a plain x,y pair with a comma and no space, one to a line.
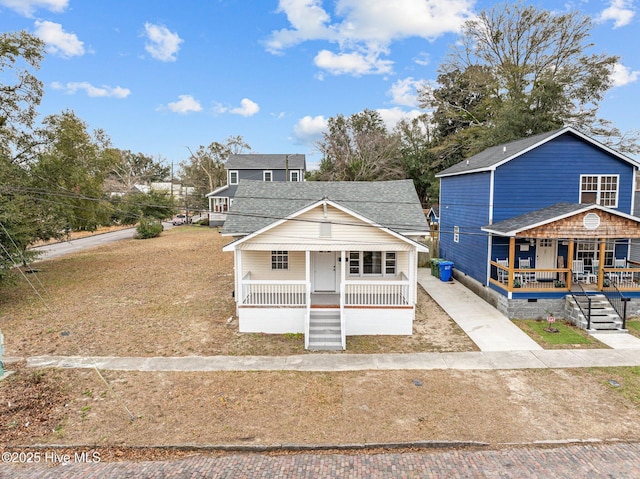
603,317
324,330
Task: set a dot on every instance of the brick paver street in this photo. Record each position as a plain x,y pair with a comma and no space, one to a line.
587,461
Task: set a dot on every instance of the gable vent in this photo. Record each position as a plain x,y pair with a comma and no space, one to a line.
591,221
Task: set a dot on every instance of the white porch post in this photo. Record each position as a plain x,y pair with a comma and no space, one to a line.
307,280
239,277
343,285
413,274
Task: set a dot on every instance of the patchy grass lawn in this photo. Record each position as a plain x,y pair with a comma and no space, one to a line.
633,325
567,337
166,296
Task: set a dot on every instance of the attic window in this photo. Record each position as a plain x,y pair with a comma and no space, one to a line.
325,230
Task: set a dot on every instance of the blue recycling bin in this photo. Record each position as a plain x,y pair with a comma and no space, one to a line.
446,269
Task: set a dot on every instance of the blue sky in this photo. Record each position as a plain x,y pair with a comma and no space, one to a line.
163,76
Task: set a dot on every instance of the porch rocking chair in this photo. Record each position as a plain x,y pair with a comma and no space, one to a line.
579,274
503,274
525,263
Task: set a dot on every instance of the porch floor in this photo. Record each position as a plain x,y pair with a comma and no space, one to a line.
325,300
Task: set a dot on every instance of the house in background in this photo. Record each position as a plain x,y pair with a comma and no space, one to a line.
327,259
529,222
252,167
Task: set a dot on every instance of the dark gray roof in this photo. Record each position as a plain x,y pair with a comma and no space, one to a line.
533,218
265,162
392,204
497,154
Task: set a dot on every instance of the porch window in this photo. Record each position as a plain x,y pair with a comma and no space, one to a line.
372,263
587,250
599,189
233,177
279,260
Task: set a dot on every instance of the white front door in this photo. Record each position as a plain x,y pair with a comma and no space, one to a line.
324,271
546,257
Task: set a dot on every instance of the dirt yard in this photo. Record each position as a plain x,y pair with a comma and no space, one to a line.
171,296
168,296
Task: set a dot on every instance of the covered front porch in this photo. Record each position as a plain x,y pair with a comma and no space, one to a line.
364,292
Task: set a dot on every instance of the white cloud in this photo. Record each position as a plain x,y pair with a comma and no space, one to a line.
391,116
92,91
405,92
367,27
185,104
246,108
354,63
309,129
58,41
28,7
622,75
620,11
162,44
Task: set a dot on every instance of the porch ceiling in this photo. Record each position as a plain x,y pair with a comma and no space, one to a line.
566,220
325,246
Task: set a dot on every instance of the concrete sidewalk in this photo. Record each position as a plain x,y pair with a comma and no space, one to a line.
483,360
485,325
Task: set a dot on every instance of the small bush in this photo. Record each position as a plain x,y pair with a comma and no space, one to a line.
149,228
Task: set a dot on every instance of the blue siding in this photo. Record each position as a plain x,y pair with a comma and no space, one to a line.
464,203
550,174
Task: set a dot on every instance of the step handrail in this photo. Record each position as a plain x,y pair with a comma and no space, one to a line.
587,315
616,299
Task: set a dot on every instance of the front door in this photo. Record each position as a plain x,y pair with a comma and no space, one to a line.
546,258
324,271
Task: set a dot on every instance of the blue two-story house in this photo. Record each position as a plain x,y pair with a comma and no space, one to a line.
528,222
260,167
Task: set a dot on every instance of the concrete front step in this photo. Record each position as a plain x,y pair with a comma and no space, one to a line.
603,317
324,330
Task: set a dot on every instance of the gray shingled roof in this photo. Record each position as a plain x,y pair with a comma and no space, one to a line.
496,154
392,204
265,162
542,216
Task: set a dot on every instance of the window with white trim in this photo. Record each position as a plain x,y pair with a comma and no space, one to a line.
267,175
233,177
373,263
279,260
588,250
599,189
456,234
294,175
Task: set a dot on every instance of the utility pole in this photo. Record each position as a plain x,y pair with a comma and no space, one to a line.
286,167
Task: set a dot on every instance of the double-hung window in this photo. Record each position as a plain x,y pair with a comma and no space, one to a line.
267,175
599,189
294,175
372,263
279,260
233,177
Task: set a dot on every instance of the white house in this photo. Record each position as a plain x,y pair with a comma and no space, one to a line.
327,259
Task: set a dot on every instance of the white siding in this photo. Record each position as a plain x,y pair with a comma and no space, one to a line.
347,231
259,264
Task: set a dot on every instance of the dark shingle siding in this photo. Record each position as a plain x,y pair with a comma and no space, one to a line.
265,162
392,204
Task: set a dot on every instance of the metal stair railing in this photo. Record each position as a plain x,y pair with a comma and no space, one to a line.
617,300
587,315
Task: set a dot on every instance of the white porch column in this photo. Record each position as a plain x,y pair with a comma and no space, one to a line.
239,276
413,275
307,276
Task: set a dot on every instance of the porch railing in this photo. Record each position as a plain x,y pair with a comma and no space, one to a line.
616,298
273,293
377,293
582,294
530,278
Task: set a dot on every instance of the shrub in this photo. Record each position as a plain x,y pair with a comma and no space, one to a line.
148,228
